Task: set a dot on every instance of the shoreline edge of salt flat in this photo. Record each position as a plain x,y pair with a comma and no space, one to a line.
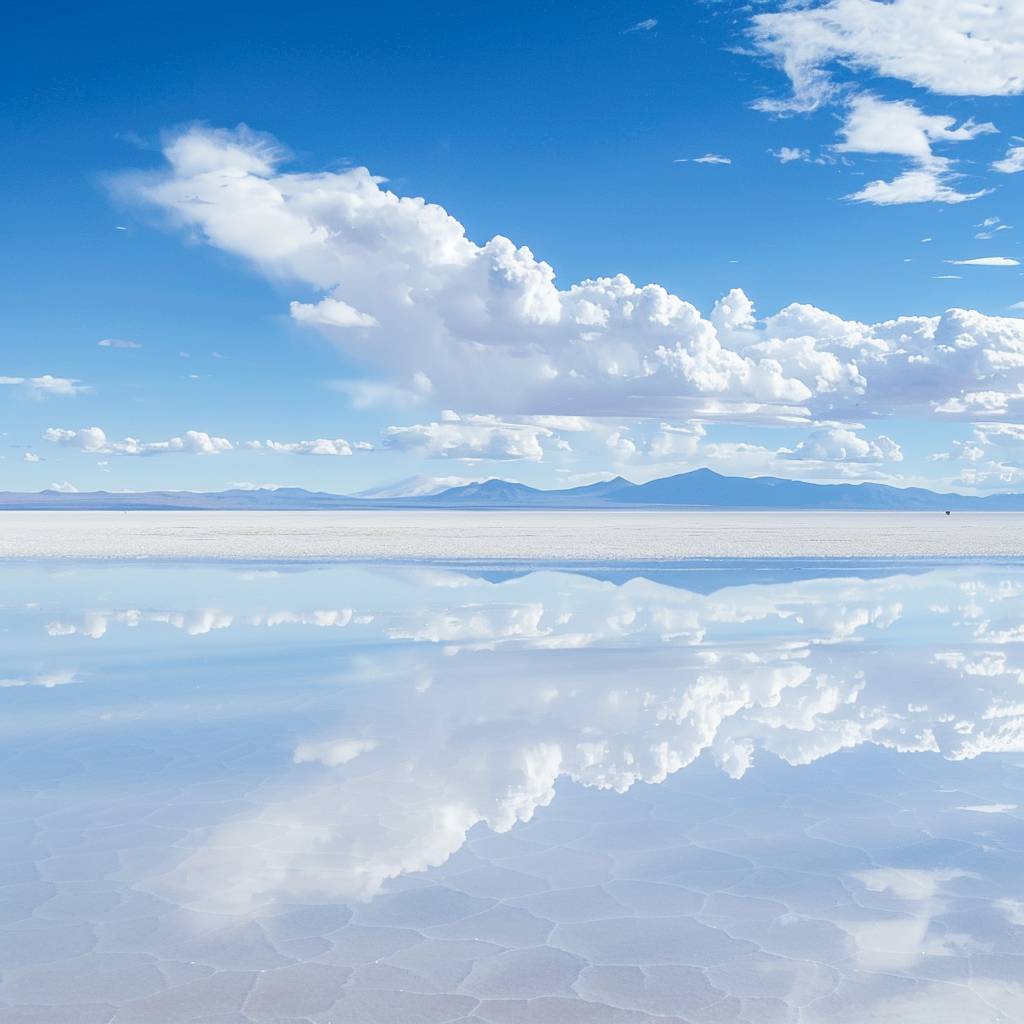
511,535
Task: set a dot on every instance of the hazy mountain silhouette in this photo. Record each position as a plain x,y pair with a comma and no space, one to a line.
700,489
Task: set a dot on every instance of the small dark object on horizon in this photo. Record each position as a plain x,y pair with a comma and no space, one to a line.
947,513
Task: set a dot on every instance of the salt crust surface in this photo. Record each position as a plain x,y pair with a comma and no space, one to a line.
509,535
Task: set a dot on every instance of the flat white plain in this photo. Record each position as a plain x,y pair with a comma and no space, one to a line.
572,536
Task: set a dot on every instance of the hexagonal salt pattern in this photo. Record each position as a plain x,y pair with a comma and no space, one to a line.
384,794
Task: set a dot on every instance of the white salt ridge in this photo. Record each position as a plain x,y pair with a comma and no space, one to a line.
573,536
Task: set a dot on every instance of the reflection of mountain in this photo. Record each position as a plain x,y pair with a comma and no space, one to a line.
699,489
498,699
710,575
550,609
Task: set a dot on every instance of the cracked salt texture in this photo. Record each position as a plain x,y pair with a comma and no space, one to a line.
385,794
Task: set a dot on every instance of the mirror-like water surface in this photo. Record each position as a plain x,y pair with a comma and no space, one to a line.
352,793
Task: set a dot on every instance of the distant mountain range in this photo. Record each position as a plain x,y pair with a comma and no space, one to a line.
701,489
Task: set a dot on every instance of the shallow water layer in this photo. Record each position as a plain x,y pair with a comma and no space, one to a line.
345,793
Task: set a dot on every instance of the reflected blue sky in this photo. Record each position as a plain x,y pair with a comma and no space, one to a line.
340,793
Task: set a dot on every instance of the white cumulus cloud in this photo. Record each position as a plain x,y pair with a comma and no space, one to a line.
1012,163
472,438
484,328
331,312
838,444
321,446
921,186
117,343
874,125
787,154
93,440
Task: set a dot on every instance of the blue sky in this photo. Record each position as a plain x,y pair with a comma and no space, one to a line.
469,239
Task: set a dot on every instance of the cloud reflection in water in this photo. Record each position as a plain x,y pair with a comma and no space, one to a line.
407,721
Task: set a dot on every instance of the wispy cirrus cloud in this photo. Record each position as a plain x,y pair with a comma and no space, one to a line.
987,261
991,227
117,343
945,47
707,158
